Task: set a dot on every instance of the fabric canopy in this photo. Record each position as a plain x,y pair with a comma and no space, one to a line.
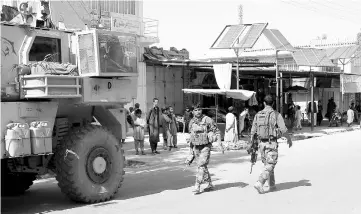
235,94
223,74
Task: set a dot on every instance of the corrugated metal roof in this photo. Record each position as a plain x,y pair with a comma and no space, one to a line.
278,41
311,57
342,52
246,34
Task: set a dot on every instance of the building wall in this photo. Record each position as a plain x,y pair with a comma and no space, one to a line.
166,84
129,7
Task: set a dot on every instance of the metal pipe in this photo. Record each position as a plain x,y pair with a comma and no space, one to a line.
277,84
281,95
342,90
237,74
312,100
216,108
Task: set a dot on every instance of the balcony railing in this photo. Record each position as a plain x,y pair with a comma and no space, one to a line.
150,27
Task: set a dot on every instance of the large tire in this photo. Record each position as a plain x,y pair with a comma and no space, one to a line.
13,184
90,165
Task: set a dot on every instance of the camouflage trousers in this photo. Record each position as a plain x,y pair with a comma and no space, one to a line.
269,155
202,154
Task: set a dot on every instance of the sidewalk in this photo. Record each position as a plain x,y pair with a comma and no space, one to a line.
178,155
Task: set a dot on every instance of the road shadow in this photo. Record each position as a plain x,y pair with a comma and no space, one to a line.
229,185
168,174
292,184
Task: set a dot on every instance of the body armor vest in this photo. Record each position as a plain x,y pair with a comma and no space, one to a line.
199,133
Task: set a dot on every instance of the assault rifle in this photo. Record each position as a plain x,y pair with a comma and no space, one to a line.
252,149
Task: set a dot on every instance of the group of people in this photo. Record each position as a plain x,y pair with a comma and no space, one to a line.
156,119
294,113
268,124
203,132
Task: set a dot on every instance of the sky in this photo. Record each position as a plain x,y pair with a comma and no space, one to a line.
195,24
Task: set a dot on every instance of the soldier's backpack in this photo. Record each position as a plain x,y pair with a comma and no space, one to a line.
264,128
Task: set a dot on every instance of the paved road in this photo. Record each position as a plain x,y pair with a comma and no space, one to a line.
318,175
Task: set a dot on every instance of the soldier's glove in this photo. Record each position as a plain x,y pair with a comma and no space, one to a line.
188,138
289,142
212,137
249,148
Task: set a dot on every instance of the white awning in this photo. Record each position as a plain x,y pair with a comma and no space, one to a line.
235,94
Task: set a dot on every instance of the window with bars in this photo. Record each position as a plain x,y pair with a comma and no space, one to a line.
122,7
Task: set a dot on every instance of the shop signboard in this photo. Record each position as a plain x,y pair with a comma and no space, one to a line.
122,24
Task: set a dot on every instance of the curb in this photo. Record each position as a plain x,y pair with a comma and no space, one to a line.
324,133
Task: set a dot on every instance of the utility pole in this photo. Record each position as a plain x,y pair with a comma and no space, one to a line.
277,85
240,14
240,21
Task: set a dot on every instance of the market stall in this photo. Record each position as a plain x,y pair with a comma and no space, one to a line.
235,94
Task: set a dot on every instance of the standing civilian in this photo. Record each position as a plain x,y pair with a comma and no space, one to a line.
173,127
242,116
139,126
350,115
231,132
298,118
165,121
331,107
186,118
314,113
154,124
319,113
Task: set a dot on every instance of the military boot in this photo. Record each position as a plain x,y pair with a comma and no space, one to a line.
210,187
259,187
197,189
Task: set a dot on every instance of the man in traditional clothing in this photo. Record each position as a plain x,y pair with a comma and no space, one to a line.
186,118
203,132
242,116
173,128
231,132
350,115
331,107
165,121
153,121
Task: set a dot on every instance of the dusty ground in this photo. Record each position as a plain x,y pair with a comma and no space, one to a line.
318,175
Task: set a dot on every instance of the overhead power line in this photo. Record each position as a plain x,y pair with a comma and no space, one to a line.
318,11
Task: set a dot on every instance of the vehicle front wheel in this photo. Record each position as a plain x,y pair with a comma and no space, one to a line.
90,165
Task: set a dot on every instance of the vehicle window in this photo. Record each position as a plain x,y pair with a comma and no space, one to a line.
45,48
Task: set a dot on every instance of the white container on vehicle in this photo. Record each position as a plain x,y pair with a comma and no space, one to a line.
17,139
41,137
3,149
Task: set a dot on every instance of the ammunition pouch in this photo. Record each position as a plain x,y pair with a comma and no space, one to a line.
199,138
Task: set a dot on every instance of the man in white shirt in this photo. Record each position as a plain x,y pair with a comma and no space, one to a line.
350,115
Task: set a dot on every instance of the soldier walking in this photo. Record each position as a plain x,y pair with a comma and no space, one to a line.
203,132
269,125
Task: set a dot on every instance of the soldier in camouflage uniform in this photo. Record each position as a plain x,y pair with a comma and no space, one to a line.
203,132
269,125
